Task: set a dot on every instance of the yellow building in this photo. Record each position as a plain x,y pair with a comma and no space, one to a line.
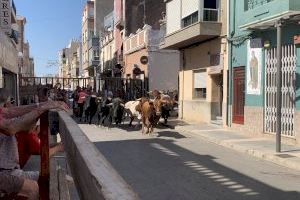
198,29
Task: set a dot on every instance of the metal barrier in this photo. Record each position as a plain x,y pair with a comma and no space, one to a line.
127,89
93,175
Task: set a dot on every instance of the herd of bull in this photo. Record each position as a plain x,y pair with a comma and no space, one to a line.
145,110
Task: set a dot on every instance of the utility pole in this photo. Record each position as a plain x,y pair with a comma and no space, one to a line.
279,85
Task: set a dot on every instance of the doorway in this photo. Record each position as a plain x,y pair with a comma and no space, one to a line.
238,95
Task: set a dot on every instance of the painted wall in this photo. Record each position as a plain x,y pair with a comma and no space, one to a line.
254,104
133,59
173,16
240,39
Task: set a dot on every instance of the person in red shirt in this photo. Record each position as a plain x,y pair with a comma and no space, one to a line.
13,180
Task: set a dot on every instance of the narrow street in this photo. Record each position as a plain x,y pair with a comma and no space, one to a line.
176,165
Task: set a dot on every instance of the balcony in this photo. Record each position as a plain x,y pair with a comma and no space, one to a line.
194,27
94,62
262,14
194,33
14,36
94,43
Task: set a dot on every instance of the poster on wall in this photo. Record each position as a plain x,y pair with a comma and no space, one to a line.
254,65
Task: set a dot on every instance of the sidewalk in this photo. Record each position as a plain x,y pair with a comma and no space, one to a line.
260,147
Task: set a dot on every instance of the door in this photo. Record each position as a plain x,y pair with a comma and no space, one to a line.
288,107
238,95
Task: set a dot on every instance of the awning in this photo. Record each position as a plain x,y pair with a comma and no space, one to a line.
213,70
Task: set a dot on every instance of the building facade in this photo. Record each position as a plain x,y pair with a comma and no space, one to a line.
107,55
87,32
69,60
198,29
119,24
8,47
253,66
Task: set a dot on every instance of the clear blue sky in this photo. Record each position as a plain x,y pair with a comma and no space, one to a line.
51,24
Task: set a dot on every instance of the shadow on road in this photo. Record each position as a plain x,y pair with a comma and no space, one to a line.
159,169
170,134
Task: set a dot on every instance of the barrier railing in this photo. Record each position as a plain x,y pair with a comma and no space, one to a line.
94,176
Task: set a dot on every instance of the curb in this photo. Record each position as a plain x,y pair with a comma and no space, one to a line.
252,152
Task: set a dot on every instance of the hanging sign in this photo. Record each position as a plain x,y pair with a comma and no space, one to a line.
144,60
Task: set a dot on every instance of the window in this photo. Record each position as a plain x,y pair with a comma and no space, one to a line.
200,77
191,19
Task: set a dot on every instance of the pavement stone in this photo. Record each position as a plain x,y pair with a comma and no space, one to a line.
260,147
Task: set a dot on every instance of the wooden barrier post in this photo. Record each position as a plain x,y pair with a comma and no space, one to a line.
44,152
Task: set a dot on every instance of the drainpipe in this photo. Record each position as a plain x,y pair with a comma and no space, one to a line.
279,83
183,68
230,79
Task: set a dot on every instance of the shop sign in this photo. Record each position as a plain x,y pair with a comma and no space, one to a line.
144,60
5,15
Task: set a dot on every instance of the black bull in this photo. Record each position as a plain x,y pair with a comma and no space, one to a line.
111,109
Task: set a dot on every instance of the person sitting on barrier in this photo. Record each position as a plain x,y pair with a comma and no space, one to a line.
13,180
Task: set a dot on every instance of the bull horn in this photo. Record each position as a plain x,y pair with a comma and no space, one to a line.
123,105
139,99
110,104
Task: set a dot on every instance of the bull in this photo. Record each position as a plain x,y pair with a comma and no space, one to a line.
151,113
113,109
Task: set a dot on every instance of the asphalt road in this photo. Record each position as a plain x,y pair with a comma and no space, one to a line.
178,166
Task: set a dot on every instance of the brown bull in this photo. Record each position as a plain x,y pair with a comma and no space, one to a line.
151,113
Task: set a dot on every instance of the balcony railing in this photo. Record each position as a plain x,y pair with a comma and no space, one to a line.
210,14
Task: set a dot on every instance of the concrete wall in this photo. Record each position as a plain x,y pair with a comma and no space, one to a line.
173,17
195,111
163,70
94,176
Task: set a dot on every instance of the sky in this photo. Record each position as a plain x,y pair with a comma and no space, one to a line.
51,24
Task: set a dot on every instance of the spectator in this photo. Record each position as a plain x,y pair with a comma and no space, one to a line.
13,180
82,95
